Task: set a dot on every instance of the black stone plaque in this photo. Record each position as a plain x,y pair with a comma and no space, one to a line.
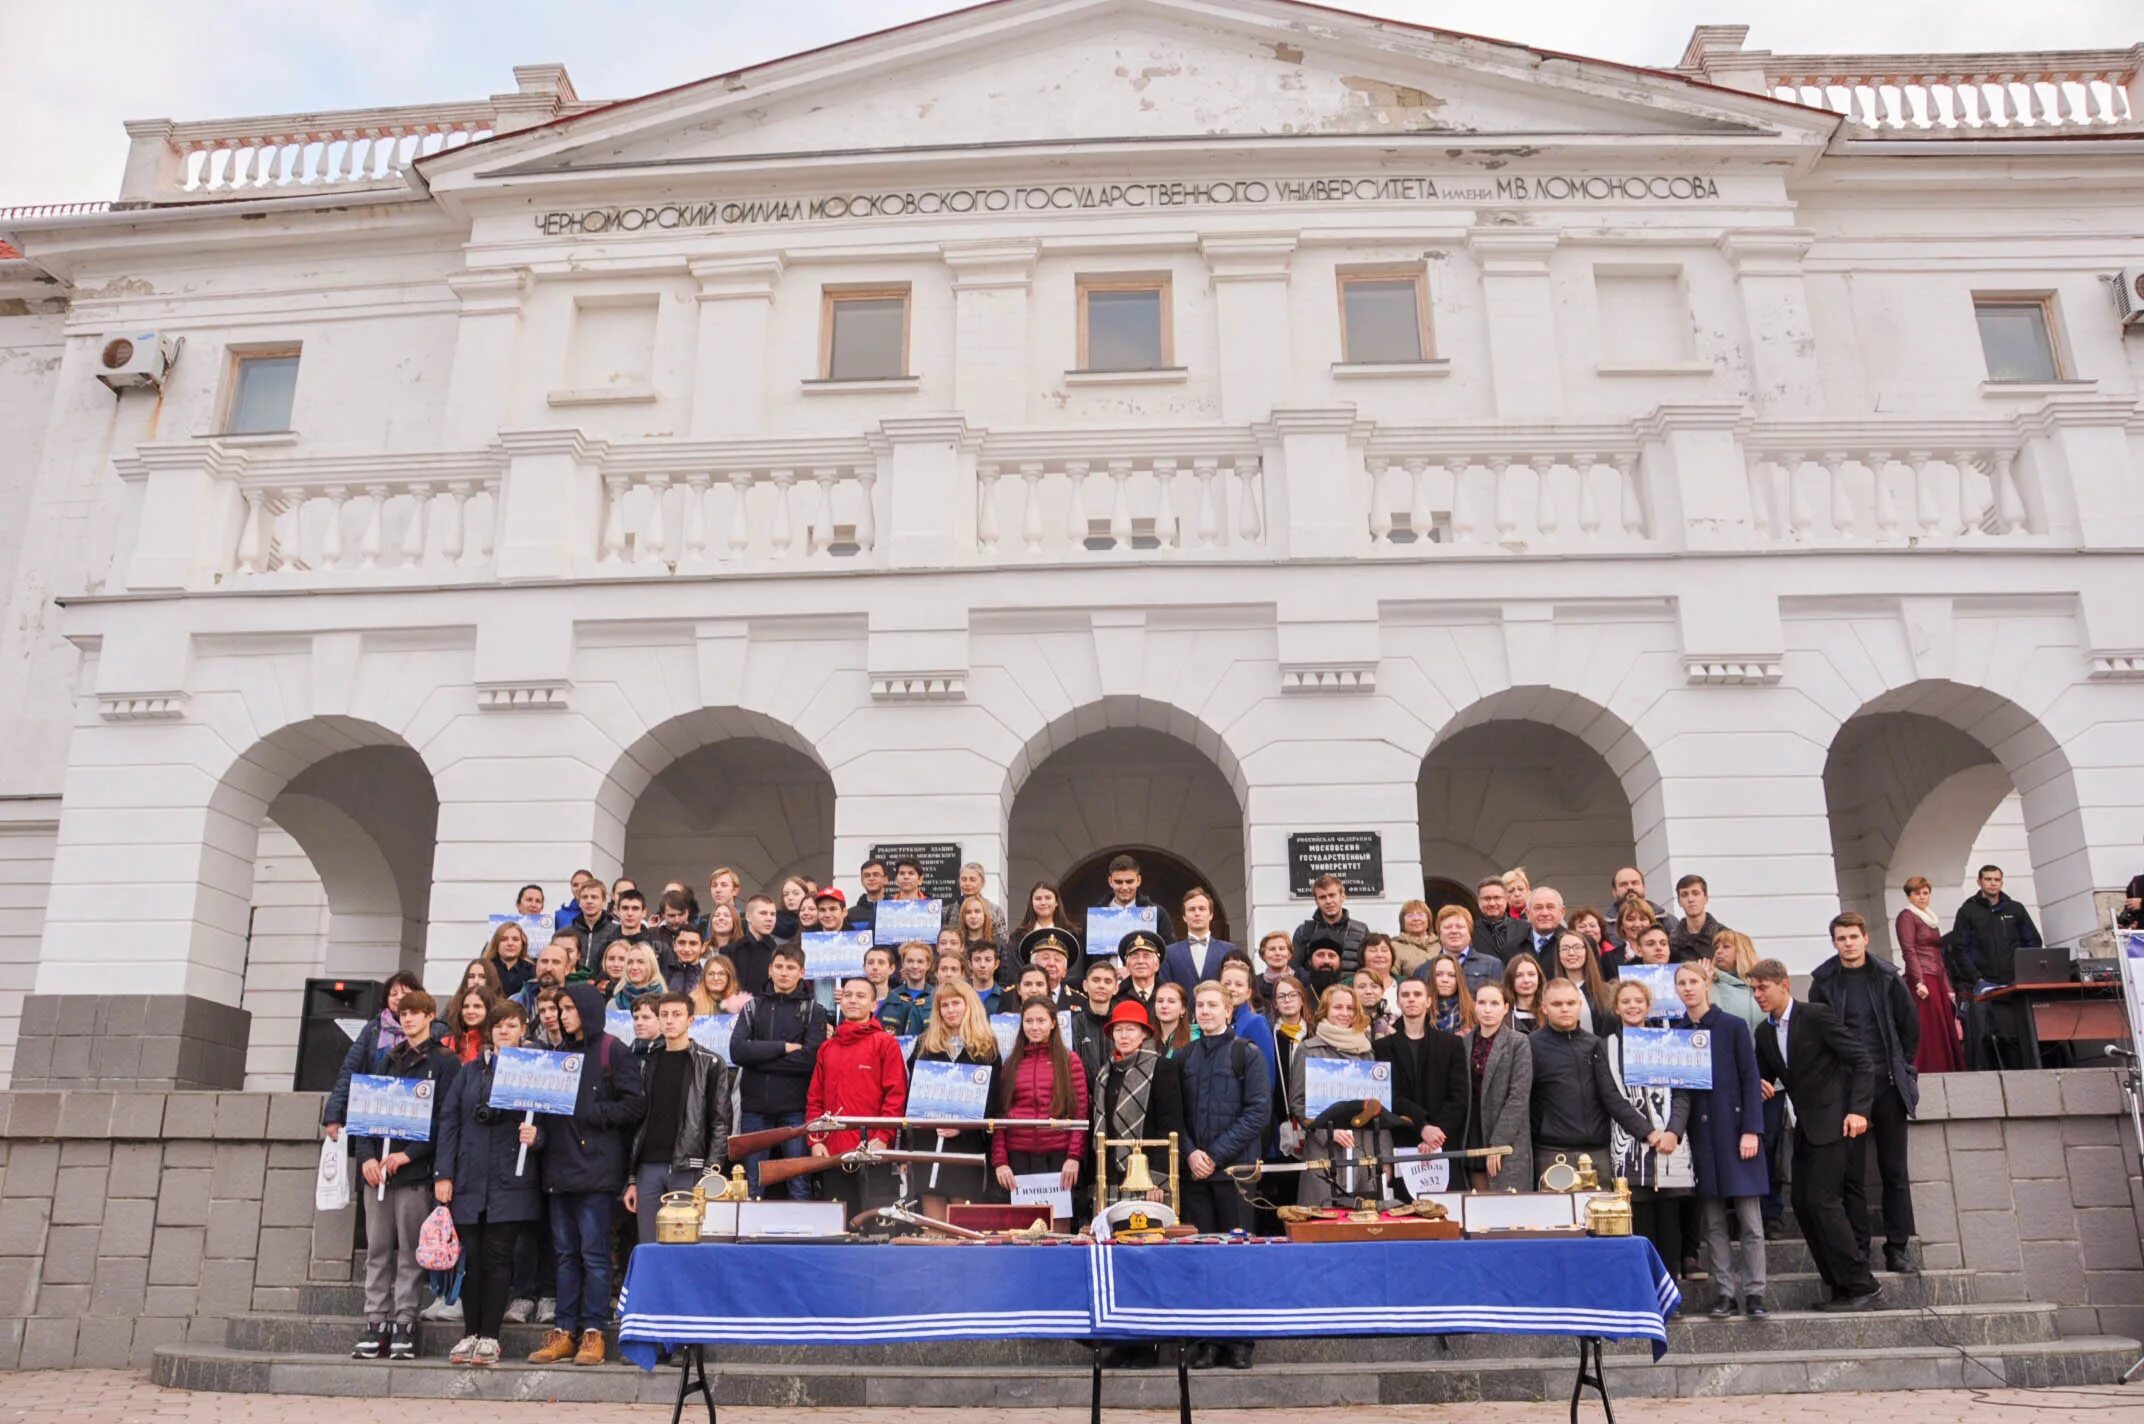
1357,857
940,861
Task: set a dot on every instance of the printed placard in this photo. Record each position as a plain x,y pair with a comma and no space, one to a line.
618,1023
1659,981
538,928
1007,1028
899,921
835,954
1426,1178
536,1080
1107,925
1044,1187
907,1042
960,1091
2132,962
1667,1058
400,1108
1344,1080
1064,1027
712,1032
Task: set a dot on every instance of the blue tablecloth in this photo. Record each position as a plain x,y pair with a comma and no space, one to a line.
764,1294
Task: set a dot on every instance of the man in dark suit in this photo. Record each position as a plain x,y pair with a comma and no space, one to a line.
1198,955
1830,1082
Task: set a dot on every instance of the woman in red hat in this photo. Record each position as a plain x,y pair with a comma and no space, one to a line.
1140,1096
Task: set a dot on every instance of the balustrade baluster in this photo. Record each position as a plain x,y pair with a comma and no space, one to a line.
825,477
1632,503
1972,511
453,539
696,487
1841,509
778,533
1031,506
986,507
1507,499
1120,504
1166,532
866,509
250,538
368,546
612,549
740,513
1380,516
1209,525
2009,500
1421,516
1462,508
653,546
1879,463
1548,518
1075,506
289,552
1927,507
1801,506
1589,508
413,533
1250,524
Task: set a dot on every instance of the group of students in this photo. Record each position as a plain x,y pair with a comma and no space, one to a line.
1502,1021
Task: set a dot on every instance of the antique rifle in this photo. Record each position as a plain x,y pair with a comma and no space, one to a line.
744,1144
1252,1171
777,1170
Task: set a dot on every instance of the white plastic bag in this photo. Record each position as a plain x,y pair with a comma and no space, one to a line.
331,1190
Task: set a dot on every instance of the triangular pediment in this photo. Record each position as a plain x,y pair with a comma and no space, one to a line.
1042,72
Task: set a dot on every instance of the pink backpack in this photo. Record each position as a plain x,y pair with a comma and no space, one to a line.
438,1248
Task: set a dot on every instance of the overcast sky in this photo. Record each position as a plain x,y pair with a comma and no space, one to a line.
76,69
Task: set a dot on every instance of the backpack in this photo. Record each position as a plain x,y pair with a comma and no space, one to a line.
438,1248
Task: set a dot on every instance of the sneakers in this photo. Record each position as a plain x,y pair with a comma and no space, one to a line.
556,1346
486,1353
448,1310
546,1310
463,1350
591,1351
402,1344
519,1311
372,1344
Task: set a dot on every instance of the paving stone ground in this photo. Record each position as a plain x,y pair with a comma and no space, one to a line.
119,1397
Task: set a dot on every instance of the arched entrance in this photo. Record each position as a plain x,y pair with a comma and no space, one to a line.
1165,878
1438,891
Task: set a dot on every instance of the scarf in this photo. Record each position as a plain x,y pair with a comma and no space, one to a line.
1354,1043
1129,1117
1290,1030
1926,917
391,1035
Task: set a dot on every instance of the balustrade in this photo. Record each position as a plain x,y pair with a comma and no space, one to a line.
1449,491
2007,92
662,514
1203,502
1818,490
410,529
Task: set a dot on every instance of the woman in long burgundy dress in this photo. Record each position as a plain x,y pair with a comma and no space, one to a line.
1920,955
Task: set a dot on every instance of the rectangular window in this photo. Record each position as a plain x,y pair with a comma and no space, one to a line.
263,384
1124,323
1644,315
863,334
1384,316
2017,335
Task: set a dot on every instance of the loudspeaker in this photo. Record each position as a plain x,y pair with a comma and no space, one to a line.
335,1011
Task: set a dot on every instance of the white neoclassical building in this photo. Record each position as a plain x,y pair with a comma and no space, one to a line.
1058,427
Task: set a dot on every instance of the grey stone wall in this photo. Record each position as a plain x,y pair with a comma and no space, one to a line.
2030,1181
130,1041
131,1220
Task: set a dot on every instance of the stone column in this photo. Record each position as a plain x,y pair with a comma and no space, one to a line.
1250,289
729,374
1519,309
1318,497
1785,379
1694,477
992,283
551,500
480,381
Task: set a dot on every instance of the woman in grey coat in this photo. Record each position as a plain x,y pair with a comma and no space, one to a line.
1501,1067
1342,1031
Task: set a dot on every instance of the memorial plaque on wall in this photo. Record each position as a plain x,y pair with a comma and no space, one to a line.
940,861
1355,856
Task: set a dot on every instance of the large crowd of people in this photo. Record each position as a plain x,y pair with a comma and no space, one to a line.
1504,1022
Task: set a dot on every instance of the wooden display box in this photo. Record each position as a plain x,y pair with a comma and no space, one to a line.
1401,1229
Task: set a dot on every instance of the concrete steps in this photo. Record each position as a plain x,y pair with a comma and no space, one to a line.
1271,1384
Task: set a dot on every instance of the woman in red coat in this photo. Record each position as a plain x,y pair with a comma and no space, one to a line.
1920,959
1040,1080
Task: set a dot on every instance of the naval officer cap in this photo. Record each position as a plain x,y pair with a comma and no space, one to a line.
1137,940
1035,941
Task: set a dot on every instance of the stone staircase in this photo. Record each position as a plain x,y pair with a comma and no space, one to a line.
1935,1335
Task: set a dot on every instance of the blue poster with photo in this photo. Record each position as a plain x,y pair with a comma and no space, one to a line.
1667,1058
960,1091
835,954
536,1080
537,927
1344,1080
618,1023
1007,1028
1659,981
1107,925
400,1108
899,921
712,1032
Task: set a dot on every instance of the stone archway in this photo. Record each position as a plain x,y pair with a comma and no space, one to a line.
1166,877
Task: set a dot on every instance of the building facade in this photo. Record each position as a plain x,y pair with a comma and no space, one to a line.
1229,433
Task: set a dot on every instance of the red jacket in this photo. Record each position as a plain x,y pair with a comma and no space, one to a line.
1031,1098
859,1073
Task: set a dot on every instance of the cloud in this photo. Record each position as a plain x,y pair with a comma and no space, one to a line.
78,71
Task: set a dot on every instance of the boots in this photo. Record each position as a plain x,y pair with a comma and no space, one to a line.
558,1345
591,1351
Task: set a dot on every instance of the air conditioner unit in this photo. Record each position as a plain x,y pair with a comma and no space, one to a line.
2129,296
141,360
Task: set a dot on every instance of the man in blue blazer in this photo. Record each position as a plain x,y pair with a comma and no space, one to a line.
1198,955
